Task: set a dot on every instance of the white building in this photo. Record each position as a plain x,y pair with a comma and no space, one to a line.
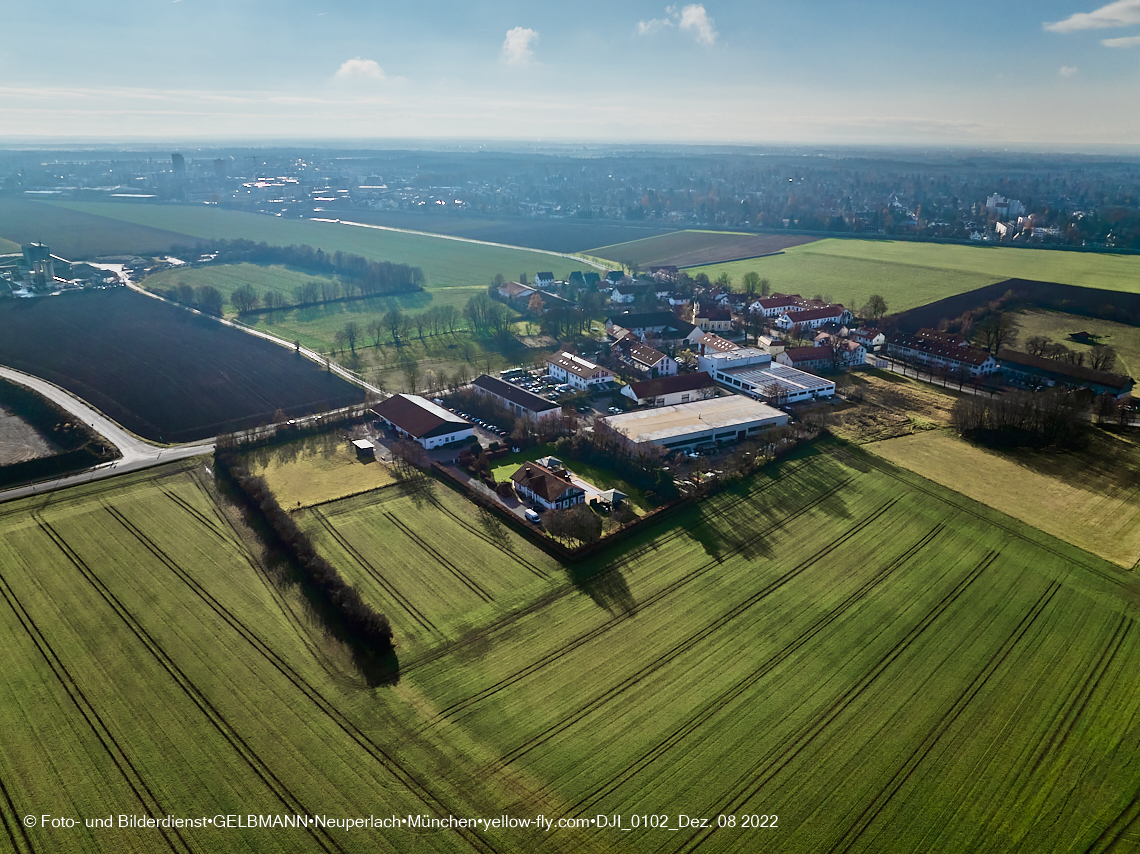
686,426
712,361
776,383
576,371
422,421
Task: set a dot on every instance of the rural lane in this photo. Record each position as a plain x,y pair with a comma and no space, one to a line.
137,453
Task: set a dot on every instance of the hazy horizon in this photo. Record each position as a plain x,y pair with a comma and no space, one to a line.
1063,76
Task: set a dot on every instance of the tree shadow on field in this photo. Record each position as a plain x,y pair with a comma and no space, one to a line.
605,585
318,618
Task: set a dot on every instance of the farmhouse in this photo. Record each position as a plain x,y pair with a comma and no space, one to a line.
1037,369
813,318
661,323
419,419
627,292
548,488
544,280
666,391
664,273
517,400
776,304
514,290
689,425
942,353
576,371
776,383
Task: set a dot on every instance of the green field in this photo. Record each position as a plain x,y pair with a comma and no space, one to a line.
7,247
79,235
1056,326
597,476
693,247
227,278
447,263
909,275
879,662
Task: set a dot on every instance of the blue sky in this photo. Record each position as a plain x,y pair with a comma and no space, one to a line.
1050,74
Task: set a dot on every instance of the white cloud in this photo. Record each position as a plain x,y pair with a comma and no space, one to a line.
360,69
1119,14
516,46
1068,70
654,25
694,17
1128,41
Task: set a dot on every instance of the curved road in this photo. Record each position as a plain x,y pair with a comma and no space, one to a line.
137,453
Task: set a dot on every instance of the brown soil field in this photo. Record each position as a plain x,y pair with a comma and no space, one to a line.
695,248
885,406
19,441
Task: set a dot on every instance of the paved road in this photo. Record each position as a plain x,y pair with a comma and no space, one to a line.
137,453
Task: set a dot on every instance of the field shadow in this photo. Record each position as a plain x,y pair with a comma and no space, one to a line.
1108,462
606,586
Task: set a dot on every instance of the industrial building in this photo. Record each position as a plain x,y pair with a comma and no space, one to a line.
776,383
687,426
422,421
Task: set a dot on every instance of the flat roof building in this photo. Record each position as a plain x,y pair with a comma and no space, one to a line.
776,383
689,425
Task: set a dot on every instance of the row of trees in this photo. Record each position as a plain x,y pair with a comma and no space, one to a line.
367,276
1054,418
1099,357
363,623
205,298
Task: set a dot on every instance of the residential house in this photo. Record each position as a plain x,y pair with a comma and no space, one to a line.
547,488
515,290
576,371
820,358
777,304
544,280
813,318
652,363
943,354
871,339
848,352
711,318
627,292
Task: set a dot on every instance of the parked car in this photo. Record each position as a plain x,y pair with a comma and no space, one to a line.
532,517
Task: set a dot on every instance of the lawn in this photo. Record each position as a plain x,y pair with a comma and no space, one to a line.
594,475
160,371
877,661
690,248
909,275
1090,498
317,469
1056,326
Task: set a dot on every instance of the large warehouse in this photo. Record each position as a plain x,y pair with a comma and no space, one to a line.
776,383
705,422
421,420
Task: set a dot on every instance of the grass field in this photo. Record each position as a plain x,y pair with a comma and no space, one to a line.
79,235
227,278
158,370
1089,498
690,248
316,469
962,674
7,247
908,275
1056,326
447,264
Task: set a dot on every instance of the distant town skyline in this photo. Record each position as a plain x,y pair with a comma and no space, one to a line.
1058,74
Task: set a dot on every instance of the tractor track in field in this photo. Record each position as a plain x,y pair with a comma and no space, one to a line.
920,753
196,513
683,646
12,818
389,588
134,779
523,562
214,716
326,706
552,657
768,767
884,467
569,589
431,551
722,700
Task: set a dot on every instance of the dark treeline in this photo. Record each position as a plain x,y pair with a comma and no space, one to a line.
370,277
1056,419
361,621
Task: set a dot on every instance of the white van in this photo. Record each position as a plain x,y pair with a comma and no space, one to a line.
531,516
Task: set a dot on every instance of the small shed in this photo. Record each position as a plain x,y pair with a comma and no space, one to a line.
365,448
612,497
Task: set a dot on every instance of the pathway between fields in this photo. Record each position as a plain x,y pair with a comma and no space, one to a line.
580,258
137,453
